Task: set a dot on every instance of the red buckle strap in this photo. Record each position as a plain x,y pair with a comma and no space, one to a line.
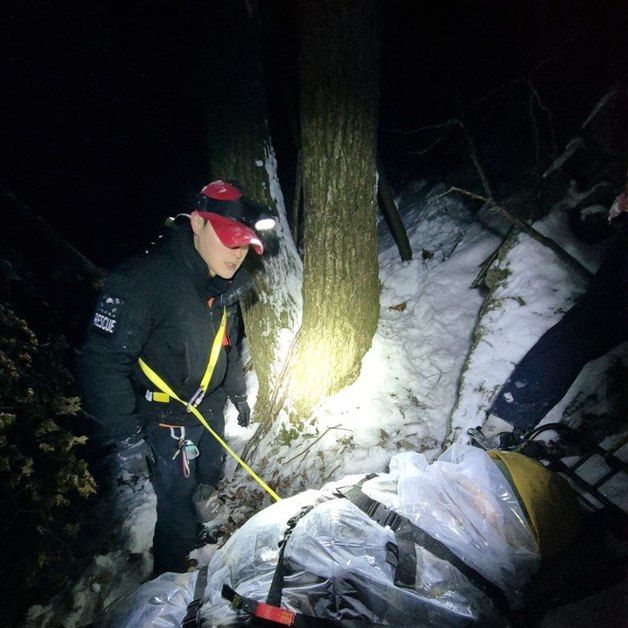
273,613
258,609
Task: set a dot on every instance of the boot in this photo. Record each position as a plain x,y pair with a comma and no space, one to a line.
202,497
208,536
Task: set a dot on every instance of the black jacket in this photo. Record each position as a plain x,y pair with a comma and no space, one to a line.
156,307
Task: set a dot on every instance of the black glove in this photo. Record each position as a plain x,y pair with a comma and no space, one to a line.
103,437
244,411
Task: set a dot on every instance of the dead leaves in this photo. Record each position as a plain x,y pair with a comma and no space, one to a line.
399,308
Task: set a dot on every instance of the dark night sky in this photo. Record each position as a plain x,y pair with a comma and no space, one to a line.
102,124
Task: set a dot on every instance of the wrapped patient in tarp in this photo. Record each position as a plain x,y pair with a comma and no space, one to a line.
497,512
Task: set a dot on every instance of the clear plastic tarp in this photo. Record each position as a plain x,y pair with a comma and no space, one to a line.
335,559
161,602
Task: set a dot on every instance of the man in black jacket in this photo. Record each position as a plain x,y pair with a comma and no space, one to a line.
171,316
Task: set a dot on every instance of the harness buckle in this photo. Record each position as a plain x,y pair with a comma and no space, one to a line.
195,400
392,520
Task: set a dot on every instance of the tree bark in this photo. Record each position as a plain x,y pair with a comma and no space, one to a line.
338,102
239,148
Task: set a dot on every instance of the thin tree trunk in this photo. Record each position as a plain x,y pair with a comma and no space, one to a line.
397,227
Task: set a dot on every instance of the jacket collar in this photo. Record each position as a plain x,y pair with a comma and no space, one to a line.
225,291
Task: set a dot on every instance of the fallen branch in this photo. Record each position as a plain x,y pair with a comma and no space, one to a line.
480,278
302,453
526,228
447,125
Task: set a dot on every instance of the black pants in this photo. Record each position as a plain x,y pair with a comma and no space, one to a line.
589,330
177,526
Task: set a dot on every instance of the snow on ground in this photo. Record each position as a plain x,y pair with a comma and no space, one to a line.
530,291
407,385
127,518
407,391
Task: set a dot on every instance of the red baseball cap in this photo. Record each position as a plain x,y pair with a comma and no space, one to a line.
233,233
219,202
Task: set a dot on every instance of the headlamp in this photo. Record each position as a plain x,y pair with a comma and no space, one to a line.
242,210
265,223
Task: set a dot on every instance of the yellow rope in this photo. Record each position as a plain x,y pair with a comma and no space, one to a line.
164,388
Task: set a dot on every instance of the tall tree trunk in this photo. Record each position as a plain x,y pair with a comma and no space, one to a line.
339,100
240,148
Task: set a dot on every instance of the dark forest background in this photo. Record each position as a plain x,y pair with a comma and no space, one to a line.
103,133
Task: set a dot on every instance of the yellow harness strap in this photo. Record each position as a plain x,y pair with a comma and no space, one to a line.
166,390
164,397
213,356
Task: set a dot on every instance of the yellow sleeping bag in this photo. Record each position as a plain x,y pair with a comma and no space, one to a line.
547,498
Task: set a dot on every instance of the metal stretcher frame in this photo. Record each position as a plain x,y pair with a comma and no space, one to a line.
584,449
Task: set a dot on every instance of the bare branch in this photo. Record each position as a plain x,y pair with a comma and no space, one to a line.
331,473
526,228
496,90
46,232
548,113
302,453
421,129
476,161
436,142
537,138
276,402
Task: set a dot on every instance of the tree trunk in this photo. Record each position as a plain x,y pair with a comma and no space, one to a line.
393,219
339,99
239,147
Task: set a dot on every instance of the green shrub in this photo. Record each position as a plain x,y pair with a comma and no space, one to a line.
42,480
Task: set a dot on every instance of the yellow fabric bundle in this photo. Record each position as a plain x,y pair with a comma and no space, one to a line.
547,498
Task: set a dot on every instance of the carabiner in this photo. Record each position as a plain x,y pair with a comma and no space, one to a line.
173,433
195,400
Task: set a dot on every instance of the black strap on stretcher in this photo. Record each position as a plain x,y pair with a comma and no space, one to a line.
192,617
285,617
402,555
271,610
276,586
